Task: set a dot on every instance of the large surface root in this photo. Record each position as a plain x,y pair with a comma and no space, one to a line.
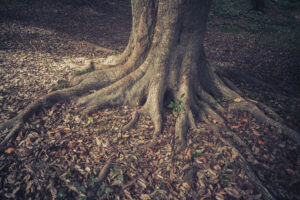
212,113
15,124
135,87
246,166
260,115
218,123
12,126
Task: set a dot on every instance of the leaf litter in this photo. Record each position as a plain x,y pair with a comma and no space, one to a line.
60,154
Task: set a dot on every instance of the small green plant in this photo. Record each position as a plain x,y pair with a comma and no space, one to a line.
86,70
197,153
90,120
177,105
104,190
120,177
93,180
219,100
79,187
143,119
61,193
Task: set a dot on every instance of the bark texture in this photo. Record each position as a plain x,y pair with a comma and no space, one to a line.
164,57
164,60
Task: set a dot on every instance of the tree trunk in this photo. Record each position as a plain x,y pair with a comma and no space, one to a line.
163,61
164,58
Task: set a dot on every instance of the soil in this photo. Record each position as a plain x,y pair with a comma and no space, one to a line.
59,153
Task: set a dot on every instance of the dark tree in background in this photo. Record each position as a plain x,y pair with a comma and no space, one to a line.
164,59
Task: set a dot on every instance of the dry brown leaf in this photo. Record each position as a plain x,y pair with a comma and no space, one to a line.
71,144
217,167
102,150
98,142
126,135
232,192
256,133
28,143
145,197
237,100
236,126
234,154
9,150
290,171
50,133
67,130
186,185
219,196
202,158
142,182
63,151
19,136
29,184
260,142
188,153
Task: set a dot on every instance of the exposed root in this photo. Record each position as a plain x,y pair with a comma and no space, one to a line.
92,193
269,111
206,110
105,170
46,101
121,92
134,119
16,123
261,106
246,105
262,112
181,129
219,119
210,112
211,101
144,81
205,104
245,165
235,138
253,109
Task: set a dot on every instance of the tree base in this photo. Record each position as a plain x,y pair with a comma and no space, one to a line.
132,90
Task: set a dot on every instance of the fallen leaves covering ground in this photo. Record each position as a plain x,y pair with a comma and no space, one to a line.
59,153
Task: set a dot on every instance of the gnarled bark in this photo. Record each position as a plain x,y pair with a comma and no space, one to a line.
164,56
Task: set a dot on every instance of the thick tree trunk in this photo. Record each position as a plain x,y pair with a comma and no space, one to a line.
164,59
164,56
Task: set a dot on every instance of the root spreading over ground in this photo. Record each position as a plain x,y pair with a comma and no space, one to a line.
153,70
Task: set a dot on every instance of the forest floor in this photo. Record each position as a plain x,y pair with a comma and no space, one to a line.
58,154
